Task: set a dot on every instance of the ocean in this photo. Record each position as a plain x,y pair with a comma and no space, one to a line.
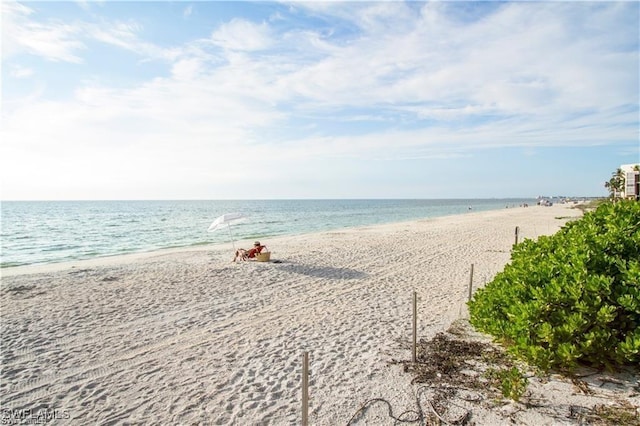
40,232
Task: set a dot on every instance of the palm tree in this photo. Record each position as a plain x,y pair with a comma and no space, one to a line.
607,185
615,185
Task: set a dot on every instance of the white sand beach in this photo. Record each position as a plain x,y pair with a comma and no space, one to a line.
188,337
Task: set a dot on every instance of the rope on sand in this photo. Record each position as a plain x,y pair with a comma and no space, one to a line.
416,416
365,407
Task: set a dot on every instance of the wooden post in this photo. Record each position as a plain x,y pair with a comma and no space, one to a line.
471,282
517,232
415,326
305,388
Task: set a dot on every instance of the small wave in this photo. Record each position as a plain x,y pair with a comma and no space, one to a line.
11,264
92,253
19,237
60,247
198,243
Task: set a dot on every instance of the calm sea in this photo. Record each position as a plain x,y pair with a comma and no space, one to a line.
36,232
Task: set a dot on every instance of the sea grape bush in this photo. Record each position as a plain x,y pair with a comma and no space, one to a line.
571,298
511,382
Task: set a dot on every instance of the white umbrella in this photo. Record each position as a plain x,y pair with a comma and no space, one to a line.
225,221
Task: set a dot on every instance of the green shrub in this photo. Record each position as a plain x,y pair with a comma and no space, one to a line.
573,297
511,382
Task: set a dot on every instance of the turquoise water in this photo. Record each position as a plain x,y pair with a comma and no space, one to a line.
37,232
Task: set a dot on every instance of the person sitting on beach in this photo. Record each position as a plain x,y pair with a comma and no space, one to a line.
249,254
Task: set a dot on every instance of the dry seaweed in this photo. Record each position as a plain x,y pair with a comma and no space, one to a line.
450,369
457,367
454,362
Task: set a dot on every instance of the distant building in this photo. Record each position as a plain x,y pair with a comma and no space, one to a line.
631,188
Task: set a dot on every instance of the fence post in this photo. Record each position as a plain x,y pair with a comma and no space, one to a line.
415,326
517,232
305,388
471,282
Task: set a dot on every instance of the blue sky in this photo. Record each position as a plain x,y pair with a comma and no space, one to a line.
326,99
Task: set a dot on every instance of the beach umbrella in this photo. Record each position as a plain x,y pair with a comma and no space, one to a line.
225,221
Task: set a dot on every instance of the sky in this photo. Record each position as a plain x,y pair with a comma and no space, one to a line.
117,100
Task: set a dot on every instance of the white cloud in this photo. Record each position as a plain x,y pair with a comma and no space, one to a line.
519,59
62,41
125,35
121,34
186,69
242,35
18,71
13,14
55,41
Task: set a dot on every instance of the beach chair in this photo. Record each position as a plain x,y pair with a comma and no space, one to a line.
264,256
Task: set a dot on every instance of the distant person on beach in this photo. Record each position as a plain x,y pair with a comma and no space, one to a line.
243,254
